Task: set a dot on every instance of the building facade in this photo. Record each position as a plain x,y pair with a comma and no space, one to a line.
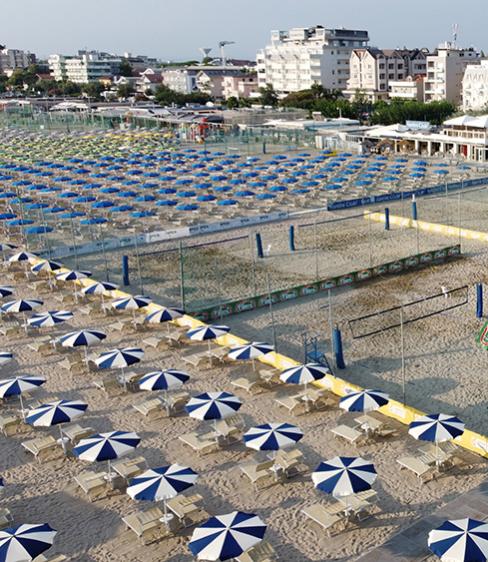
475,86
182,80
12,59
244,85
411,88
445,72
87,66
298,58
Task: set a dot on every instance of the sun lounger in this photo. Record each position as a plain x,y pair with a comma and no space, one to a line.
197,359
6,518
359,505
187,511
10,424
262,552
292,404
251,385
147,525
348,433
176,401
326,518
259,473
110,385
43,448
93,484
58,558
75,432
44,347
199,444
154,342
227,432
153,408
422,470
129,468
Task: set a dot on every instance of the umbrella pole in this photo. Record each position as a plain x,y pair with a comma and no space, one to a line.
109,475
62,438
123,378
25,321
22,406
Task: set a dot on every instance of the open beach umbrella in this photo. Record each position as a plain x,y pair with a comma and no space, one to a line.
82,338
6,291
162,484
46,266
344,476
250,351
460,540
100,288
21,305
21,257
49,319
26,542
227,536
436,428
16,386
73,276
208,332
272,436
120,359
132,303
56,413
106,447
6,357
165,314
364,401
213,405
169,379
304,374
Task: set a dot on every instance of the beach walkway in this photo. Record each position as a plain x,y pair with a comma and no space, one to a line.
410,545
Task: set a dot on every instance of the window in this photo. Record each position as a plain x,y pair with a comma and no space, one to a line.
382,65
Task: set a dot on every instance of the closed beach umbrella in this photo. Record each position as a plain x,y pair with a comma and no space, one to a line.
364,401
460,540
250,351
56,413
344,476
16,386
50,318
24,543
272,436
107,447
227,536
436,428
162,484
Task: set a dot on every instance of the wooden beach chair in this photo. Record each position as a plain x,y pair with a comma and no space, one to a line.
43,448
176,402
76,433
292,404
187,510
423,471
226,432
147,525
197,359
110,385
129,468
347,433
249,384
93,484
11,424
6,518
152,408
259,473
262,552
154,342
200,444
329,518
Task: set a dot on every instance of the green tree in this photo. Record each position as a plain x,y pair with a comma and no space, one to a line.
232,102
125,68
268,96
125,91
167,96
93,89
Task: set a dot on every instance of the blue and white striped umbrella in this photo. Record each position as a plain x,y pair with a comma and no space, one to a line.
6,291
53,413
272,436
106,446
344,476
164,315
21,305
15,386
304,374
164,380
6,357
49,319
82,338
46,265
250,351
436,428
164,483
227,536
6,247
460,540
364,401
21,257
25,542
73,275
208,332
213,406
119,358
131,303
99,288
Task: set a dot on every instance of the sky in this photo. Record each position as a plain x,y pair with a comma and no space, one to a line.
175,29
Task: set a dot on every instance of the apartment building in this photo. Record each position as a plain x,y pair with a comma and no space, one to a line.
371,71
300,57
475,86
182,80
11,59
87,66
411,88
244,85
445,72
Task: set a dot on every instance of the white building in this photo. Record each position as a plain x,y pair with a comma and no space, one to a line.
85,67
298,58
475,86
411,88
11,59
445,72
243,85
182,80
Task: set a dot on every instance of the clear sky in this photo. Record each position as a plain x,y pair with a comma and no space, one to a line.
175,29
